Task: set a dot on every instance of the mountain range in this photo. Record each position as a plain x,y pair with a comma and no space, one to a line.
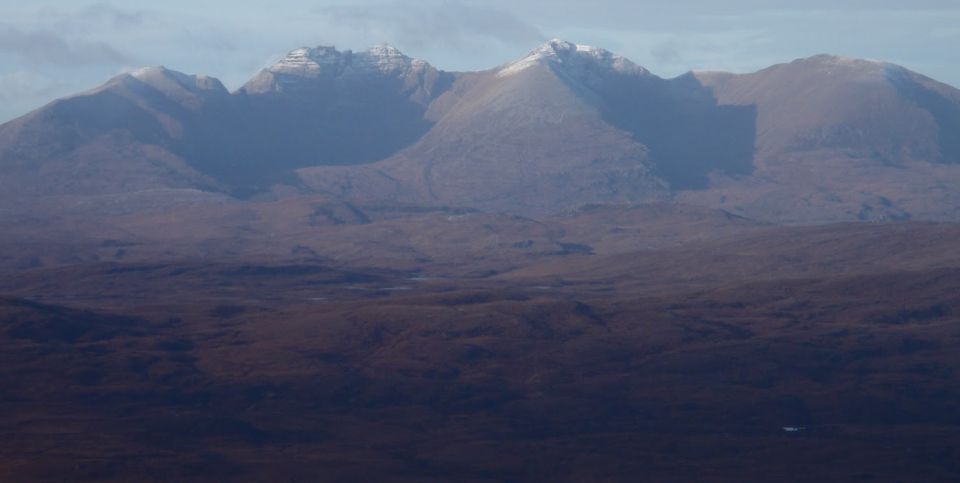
819,139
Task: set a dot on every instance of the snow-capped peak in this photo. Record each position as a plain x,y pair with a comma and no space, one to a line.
386,51
145,73
385,58
310,61
567,53
327,60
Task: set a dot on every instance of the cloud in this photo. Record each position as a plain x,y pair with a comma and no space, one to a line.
452,24
100,15
945,33
22,90
667,52
22,84
43,47
109,14
90,21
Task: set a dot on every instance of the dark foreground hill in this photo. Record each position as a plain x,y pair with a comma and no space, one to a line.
691,362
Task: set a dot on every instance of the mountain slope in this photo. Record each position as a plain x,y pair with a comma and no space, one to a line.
566,125
827,102
843,139
157,128
321,106
125,136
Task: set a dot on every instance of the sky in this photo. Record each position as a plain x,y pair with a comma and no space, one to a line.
54,48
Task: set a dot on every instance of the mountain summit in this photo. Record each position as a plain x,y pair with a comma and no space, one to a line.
308,64
562,53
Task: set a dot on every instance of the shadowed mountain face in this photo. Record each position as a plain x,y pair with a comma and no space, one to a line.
818,139
941,102
689,135
324,107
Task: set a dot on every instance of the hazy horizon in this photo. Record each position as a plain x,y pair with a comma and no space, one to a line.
53,48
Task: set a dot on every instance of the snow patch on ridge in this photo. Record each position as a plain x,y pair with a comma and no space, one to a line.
328,61
847,64
842,60
167,80
309,62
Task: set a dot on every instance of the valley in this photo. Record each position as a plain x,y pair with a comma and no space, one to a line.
534,364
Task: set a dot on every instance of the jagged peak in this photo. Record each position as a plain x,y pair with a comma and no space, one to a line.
385,50
386,58
558,51
310,61
327,60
